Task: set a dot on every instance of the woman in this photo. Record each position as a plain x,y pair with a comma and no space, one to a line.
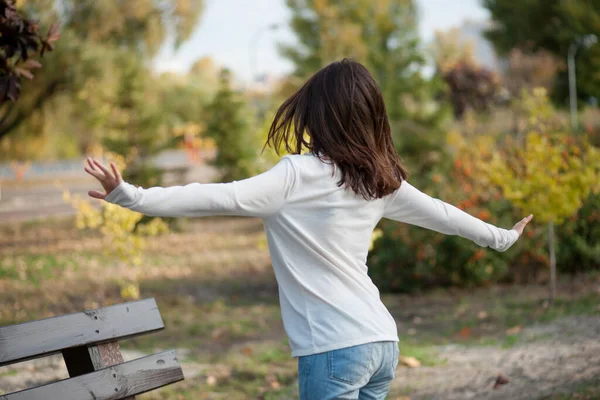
319,211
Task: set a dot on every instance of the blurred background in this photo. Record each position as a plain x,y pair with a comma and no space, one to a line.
493,105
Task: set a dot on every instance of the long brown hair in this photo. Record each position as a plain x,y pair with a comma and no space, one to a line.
339,115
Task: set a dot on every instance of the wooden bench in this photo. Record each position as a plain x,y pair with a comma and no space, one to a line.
89,345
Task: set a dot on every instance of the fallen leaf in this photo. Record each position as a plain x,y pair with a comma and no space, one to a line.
211,380
275,385
515,330
500,380
273,382
247,351
465,332
410,362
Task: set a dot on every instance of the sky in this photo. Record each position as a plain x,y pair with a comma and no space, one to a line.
233,33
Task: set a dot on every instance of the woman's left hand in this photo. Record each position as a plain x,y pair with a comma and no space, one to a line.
109,180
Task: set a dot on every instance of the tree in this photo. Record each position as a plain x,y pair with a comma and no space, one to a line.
382,35
530,70
228,124
550,174
90,27
470,85
449,48
136,127
20,43
550,25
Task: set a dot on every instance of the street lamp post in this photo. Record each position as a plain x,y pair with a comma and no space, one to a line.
585,41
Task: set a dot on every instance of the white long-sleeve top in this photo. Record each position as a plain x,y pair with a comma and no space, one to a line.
319,236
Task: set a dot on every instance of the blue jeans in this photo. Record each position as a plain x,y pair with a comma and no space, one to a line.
361,372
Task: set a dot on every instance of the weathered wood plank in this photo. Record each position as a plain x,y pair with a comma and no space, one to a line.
112,383
85,359
106,355
48,336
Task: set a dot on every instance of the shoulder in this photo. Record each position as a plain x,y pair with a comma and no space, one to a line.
302,162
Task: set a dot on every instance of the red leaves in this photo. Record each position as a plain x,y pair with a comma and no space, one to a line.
19,42
471,87
24,69
10,87
53,36
500,380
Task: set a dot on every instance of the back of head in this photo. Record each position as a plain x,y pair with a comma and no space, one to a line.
340,116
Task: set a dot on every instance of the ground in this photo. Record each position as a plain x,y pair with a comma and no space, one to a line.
218,298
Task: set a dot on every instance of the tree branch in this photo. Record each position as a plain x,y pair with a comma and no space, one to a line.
7,127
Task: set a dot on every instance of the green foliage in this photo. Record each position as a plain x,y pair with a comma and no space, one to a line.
123,234
408,259
136,126
382,35
501,179
228,124
550,174
550,25
578,245
95,34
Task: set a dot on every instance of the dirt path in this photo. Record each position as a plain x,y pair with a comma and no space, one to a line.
552,358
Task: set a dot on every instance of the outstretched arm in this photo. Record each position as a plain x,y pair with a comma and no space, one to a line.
414,207
259,196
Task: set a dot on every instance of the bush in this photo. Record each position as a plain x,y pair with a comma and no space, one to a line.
408,258
578,239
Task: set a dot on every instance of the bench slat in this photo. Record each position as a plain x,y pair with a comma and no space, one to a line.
112,383
34,339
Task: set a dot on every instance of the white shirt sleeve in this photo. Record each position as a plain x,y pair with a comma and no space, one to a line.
259,196
414,207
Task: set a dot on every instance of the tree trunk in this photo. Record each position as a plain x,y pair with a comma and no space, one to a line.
552,261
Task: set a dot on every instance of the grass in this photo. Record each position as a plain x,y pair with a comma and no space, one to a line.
219,301
425,353
10,372
488,317
34,268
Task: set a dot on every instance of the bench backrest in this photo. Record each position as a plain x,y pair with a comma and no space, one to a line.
88,342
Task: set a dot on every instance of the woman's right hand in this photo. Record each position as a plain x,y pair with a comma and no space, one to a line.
520,226
109,180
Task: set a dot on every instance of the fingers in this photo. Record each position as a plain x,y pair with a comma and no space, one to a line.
94,170
94,167
520,226
95,173
97,195
526,220
91,164
103,168
116,172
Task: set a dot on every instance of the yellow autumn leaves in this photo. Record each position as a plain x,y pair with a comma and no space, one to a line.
547,176
119,228
545,170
